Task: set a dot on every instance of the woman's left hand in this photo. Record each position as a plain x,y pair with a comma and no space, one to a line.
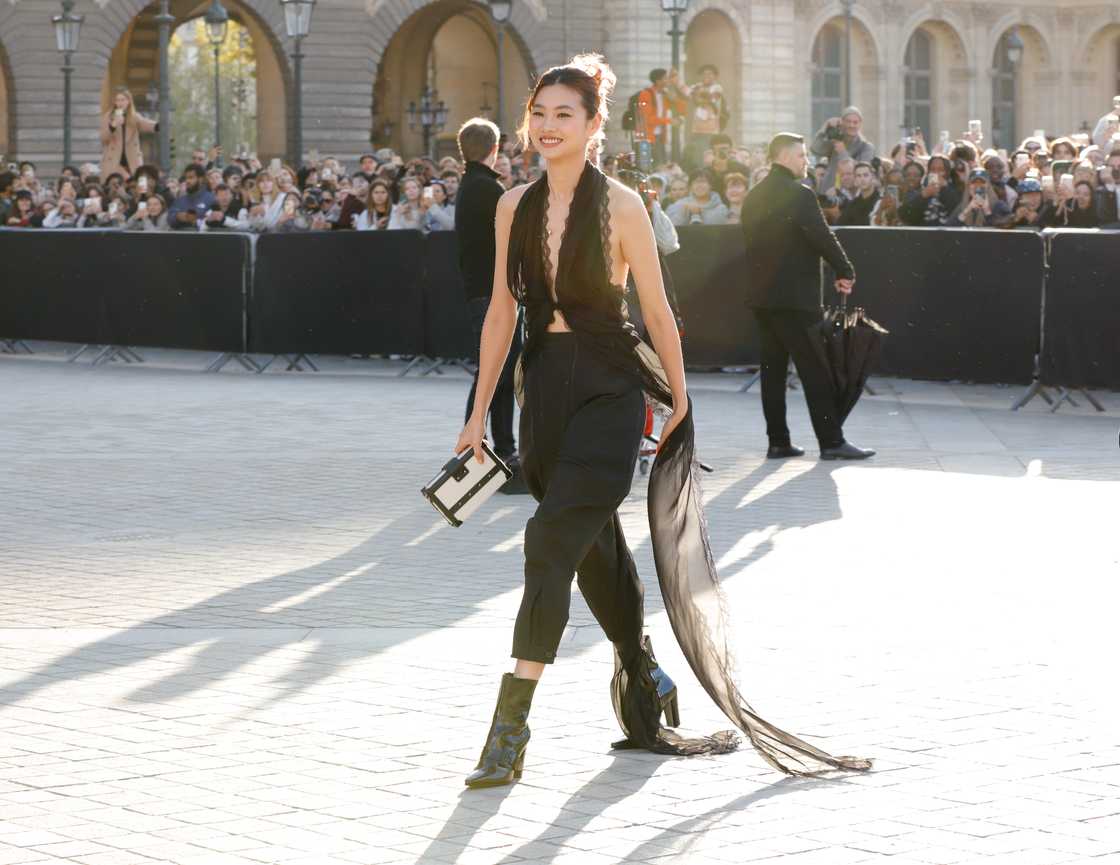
674,421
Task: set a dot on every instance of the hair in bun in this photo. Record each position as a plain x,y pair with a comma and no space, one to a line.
591,77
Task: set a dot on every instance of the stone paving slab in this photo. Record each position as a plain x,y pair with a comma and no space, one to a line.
232,632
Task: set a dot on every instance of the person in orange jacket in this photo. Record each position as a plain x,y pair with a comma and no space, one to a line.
661,106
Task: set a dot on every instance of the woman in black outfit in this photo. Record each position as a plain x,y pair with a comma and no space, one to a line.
565,245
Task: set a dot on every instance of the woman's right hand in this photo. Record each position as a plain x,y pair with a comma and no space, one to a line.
471,437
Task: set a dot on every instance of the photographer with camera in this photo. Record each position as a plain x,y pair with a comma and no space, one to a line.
840,138
150,215
1028,214
938,198
979,208
1108,191
1107,126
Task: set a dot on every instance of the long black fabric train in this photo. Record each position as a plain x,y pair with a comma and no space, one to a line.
601,368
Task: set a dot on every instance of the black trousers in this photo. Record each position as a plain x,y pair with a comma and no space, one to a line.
501,406
581,427
784,333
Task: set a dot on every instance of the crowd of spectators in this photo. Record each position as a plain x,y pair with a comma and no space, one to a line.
1069,181
1064,181
382,192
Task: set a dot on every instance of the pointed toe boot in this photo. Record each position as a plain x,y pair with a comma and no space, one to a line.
503,755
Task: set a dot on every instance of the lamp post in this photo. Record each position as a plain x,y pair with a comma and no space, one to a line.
297,21
164,20
217,23
1014,57
1014,47
847,51
500,11
429,116
67,29
675,9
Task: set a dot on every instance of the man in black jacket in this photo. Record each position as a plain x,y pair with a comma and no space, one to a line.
786,236
475,206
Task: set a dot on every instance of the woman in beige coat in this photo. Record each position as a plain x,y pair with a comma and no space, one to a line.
120,137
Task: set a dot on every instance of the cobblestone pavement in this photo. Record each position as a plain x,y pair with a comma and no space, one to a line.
232,632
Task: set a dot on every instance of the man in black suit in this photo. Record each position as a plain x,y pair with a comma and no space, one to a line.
786,236
475,206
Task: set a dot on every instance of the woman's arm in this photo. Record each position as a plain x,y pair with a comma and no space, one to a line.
497,330
639,249
146,125
106,130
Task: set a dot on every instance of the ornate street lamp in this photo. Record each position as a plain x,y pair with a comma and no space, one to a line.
675,9
164,20
217,23
297,21
67,30
1014,47
430,116
500,11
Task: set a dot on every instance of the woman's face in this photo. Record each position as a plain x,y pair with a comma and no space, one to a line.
67,191
24,205
1084,193
155,206
439,194
412,189
380,196
291,203
1063,151
559,127
736,192
678,189
121,102
284,181
264,184
701,188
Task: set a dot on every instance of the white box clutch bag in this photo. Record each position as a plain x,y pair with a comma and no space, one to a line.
464,484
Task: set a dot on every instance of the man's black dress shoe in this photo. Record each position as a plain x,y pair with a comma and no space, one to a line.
783,452
846,451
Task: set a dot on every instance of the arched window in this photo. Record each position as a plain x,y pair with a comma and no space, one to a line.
1003,98
828,75
918,87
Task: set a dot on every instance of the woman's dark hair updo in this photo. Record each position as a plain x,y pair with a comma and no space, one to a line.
591,77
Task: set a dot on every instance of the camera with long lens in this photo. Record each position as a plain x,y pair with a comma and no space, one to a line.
628,173
833,133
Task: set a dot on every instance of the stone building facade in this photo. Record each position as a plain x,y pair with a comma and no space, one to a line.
913,62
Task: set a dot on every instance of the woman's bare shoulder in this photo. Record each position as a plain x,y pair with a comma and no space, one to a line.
622,198
507,204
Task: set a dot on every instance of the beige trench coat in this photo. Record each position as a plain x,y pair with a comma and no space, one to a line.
126,139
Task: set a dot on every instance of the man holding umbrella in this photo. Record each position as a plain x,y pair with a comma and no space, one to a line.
786,236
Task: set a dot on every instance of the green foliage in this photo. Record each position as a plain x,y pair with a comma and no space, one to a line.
192,89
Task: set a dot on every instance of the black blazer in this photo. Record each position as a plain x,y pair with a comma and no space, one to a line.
475,206
786,236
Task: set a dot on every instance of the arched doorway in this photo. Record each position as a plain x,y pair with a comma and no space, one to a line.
827,71
935,76
713,39
254,79
450,47
7,111
1102,68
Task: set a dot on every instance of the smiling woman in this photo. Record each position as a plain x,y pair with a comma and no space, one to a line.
565,246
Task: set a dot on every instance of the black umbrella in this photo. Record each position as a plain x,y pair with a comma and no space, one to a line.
848,344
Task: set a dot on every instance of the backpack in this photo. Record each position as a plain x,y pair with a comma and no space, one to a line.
630,115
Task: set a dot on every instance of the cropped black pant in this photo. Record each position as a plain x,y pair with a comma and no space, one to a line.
581,428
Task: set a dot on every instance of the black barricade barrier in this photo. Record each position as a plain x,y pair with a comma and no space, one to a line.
960,304
338,292
1082,310
447,319
709,277
172,290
